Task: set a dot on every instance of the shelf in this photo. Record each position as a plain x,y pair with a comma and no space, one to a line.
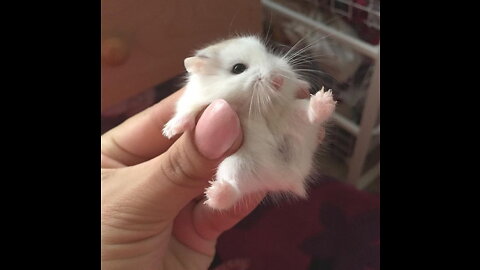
351,126
356,44
366,130
368,177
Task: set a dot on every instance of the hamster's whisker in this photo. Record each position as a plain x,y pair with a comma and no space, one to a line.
308,46
277,49
255,99
264,97
315,80
268,99
285,76
266,39
263,100
298,54
322,37
305,58
288,77
259,103
250,105
256,105
306,70
300,58
294,45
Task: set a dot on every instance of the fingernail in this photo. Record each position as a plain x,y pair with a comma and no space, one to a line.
217,129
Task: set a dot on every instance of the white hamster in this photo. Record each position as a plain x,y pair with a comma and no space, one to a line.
280,130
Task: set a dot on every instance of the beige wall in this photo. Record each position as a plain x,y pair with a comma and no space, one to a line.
144,42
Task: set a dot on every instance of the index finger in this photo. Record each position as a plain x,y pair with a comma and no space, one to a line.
140,137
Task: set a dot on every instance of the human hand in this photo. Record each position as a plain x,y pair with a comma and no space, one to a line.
152,211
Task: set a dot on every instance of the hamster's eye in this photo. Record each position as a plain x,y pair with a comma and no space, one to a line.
238,68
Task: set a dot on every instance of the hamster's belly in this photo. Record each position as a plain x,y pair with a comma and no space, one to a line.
279,148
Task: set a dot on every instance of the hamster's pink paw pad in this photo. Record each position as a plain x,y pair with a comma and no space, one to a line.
321,106
221,195
176,126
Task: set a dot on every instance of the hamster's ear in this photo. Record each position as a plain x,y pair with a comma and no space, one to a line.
303,90
195,64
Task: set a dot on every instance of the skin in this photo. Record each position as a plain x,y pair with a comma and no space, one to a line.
151,216
152,210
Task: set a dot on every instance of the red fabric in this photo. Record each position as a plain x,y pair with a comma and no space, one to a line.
337,228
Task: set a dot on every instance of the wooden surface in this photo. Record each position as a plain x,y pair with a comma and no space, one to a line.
144,42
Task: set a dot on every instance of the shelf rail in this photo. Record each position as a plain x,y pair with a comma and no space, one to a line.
366,129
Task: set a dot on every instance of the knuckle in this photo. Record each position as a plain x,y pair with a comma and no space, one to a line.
180,170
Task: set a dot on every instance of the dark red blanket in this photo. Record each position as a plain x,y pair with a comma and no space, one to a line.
338,228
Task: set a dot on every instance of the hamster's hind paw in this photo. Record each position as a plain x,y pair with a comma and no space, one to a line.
221,195
321,106
299,190
176,126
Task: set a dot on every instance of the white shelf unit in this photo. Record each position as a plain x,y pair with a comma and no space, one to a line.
366,129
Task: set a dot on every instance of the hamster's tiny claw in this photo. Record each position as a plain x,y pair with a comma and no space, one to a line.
176,126
321,106
169,131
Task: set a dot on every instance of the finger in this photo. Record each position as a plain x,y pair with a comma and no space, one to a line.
140,137
211,223
174,178
198,226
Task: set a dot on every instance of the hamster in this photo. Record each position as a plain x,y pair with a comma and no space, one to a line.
280,130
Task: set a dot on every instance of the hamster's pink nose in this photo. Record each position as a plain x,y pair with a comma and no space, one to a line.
277,82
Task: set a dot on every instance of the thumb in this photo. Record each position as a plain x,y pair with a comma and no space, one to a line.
182,173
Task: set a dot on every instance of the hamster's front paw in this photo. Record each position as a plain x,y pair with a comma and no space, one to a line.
321,106
221,195
177,125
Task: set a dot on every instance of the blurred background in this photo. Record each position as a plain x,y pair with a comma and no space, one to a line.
143,46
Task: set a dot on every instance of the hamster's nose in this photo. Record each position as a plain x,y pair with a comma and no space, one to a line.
277,81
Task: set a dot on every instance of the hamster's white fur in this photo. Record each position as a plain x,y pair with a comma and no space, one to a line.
280,131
